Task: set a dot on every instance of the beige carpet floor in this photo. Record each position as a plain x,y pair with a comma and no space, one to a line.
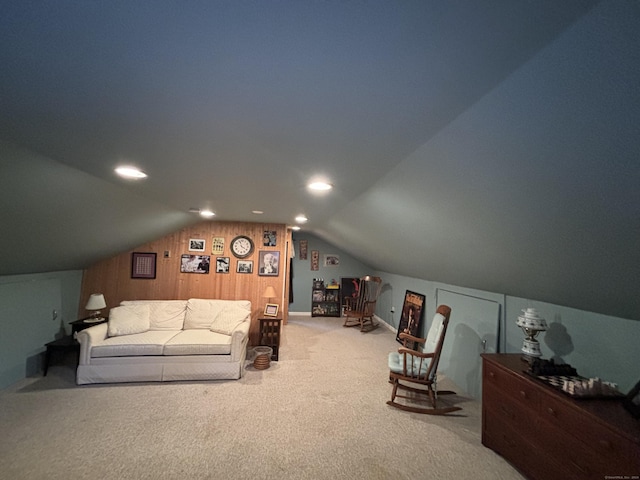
318,413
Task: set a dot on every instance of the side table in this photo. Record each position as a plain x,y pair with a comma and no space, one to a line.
79,325
270,335
64,344
69,342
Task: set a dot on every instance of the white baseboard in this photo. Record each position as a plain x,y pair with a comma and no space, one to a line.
377,318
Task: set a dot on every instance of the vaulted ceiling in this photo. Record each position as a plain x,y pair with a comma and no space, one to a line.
486,144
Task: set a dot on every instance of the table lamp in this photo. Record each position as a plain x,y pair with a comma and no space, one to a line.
532,324
95,304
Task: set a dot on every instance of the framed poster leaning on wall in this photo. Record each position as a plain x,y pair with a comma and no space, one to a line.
411,315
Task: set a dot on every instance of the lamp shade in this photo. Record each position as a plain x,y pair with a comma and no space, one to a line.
269,292
96,302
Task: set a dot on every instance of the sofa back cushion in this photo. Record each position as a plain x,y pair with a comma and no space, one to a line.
229,318
128,319
201,312
163,314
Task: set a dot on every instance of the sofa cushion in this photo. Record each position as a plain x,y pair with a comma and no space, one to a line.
128,319
163,314
202,312
198,342
147,343
229,318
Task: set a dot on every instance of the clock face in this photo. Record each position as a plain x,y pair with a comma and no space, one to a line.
242,246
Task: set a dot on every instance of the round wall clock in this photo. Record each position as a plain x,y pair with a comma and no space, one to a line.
242,246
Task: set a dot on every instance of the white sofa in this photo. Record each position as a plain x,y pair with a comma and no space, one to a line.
164,340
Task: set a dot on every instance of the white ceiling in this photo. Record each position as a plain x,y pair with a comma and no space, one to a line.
485,144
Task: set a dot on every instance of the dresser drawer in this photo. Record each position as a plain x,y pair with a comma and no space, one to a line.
508,440
518,388
596,446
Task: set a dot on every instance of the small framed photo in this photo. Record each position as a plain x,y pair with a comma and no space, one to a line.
271,310
195,264
222,264
143,265
217,246
269,238
331,260
244,266
196,244
269,263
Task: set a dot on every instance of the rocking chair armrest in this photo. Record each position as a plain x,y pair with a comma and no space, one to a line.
415,353
408,336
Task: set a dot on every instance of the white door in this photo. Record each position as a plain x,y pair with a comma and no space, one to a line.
473,329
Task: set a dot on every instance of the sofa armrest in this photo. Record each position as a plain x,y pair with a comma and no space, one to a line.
239,340
87,338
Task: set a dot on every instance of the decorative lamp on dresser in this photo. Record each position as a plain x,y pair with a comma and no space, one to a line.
549,435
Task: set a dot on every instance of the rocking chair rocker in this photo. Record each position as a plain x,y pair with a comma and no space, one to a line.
360,309
419,368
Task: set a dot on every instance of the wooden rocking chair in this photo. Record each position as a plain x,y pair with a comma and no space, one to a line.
420,368
359,310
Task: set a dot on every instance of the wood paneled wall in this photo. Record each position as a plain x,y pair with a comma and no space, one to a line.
112,277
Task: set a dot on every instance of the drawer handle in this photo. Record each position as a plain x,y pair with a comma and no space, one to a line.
551,411
523,394
492,375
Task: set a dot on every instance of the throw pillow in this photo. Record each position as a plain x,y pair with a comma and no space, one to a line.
228,319
128,319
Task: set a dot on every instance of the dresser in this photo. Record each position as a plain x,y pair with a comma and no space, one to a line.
548,435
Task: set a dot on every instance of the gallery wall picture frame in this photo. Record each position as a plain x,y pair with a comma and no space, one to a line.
143,265
315,260
271,310
269,263
195,264
269,238
217,246
222,264
331,260
244,266
411,315
304,247
197,244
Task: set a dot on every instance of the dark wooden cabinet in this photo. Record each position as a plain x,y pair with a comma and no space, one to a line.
548,435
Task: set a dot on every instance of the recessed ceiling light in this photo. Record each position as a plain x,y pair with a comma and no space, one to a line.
301,219
320,186
296,228
130,172
207,213
257,212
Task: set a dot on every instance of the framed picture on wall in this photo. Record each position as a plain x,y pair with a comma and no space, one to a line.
143,265
196,244
217,246
331,260
411,315
269,263
304,245
244,266
222,264
195,263
269,238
